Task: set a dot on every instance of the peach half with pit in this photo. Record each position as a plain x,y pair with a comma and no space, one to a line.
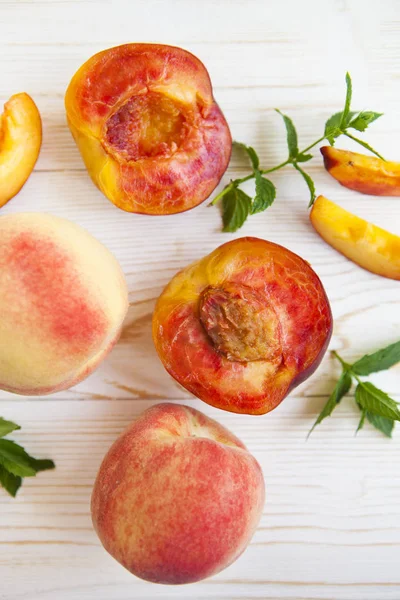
63,299
243,326
151,135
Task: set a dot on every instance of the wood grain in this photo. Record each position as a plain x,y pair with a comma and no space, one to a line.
331,524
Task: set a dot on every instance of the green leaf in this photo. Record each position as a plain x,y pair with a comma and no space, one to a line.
265,194
375,401
44,464
309,182
363,144
291,135
363,119
383,424
333,126
378,361
346,110
301,157
11,483
14,458
251,153
236,207
362,420
342,387
225,191
7,427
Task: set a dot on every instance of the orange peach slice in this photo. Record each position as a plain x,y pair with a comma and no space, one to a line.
365,174
20,141
152,137
366,244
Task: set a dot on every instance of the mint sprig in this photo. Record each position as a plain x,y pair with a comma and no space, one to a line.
376,406
236,208
15,462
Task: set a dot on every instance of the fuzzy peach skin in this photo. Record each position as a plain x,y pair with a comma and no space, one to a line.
63,298
243,326
365,174
20,142
177,497
371,247
149,130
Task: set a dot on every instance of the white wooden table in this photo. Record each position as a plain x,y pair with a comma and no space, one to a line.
331,524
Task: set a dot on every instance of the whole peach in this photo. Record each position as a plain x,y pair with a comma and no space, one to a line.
63,298
177,497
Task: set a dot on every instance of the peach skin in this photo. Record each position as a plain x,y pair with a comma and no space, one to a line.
369,246
243,326
365,174
149,130
177,497
20,141
63,298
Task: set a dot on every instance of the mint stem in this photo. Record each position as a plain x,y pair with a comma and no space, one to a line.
344,364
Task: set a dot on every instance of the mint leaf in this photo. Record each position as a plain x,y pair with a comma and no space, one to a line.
333,126
363,119
251,153
14,458
265,193
341,388
383,424
346,110
226,190
236,207
11,483
7,427
363,144
43,464
378,361
362,420
375,401
309,182
291,135
301,157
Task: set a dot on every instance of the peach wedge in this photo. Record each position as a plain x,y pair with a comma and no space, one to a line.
369,246
365,174
20,141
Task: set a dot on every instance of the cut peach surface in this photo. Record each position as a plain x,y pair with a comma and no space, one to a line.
371,247
20,141
149,130
63,299
243,326
177,497
365,174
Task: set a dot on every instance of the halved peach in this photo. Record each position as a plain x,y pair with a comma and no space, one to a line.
371,247
243,326
365,174
20,141
149,130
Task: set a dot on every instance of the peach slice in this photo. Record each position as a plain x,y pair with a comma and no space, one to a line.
149,130
366,244
243,326
20,141
365,174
